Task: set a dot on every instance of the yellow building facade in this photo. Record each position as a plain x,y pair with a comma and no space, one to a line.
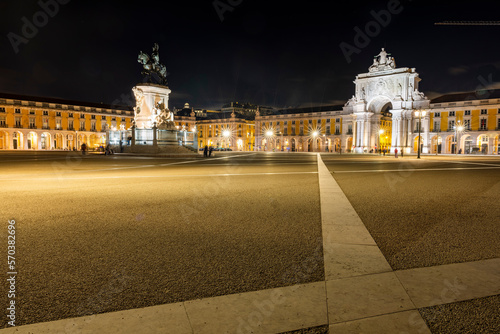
32,123
226,131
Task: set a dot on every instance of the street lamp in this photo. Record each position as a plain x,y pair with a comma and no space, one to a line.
458,130
269,135
419,114
226,134
380,133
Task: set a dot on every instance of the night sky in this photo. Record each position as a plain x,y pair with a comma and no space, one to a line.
279,53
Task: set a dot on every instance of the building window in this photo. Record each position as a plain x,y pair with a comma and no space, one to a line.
2,122
498,124
58,114
103,127
337,120
328,120
467,124
92,116
103,117
17,111
337,130
92,126
467,113
349,129
436,114
436,127
18,122
2,109
70,125
82,125
484,111
123,119
451,125
32,123
483,124
327,130
285,132
301,122
32,112
58,124
451,114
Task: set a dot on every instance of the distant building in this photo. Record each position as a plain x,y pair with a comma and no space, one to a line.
42,123
383,113
246,109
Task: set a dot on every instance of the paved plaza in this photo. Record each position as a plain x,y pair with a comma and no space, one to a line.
248,242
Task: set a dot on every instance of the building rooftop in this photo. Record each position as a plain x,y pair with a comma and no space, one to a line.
306,110
468,96
53,100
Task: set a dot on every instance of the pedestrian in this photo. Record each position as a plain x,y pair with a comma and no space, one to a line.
384,151
210,151
396,152
83,147
205,151
402,153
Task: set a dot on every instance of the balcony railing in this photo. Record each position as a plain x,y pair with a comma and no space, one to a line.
349,132
18,126
3,125
46,127
32,126
71,128
337,133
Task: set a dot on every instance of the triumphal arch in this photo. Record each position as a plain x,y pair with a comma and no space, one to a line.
385,92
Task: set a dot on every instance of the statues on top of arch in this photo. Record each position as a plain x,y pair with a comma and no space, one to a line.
382,62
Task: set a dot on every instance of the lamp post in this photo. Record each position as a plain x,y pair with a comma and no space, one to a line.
419,114
314,135
269,135
458,130
380,133
226,134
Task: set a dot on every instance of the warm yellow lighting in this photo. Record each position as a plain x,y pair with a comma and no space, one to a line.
269,133
381,131
226,133
315,133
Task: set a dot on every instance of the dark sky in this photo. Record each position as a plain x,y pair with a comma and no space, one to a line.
278,53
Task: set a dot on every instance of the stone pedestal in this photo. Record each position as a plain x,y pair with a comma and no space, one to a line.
148,96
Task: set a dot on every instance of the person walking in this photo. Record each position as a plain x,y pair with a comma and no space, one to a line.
396,152
205,151
84,148
210,151
402,154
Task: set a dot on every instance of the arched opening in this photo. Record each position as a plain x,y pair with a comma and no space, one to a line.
467,144
337,144
349,144
380,105
4,140
450,144
32,141
482,142
436,144
17,141
45,141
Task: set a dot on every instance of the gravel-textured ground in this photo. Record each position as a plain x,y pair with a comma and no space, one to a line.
429,218
311,330
467,317
88,246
